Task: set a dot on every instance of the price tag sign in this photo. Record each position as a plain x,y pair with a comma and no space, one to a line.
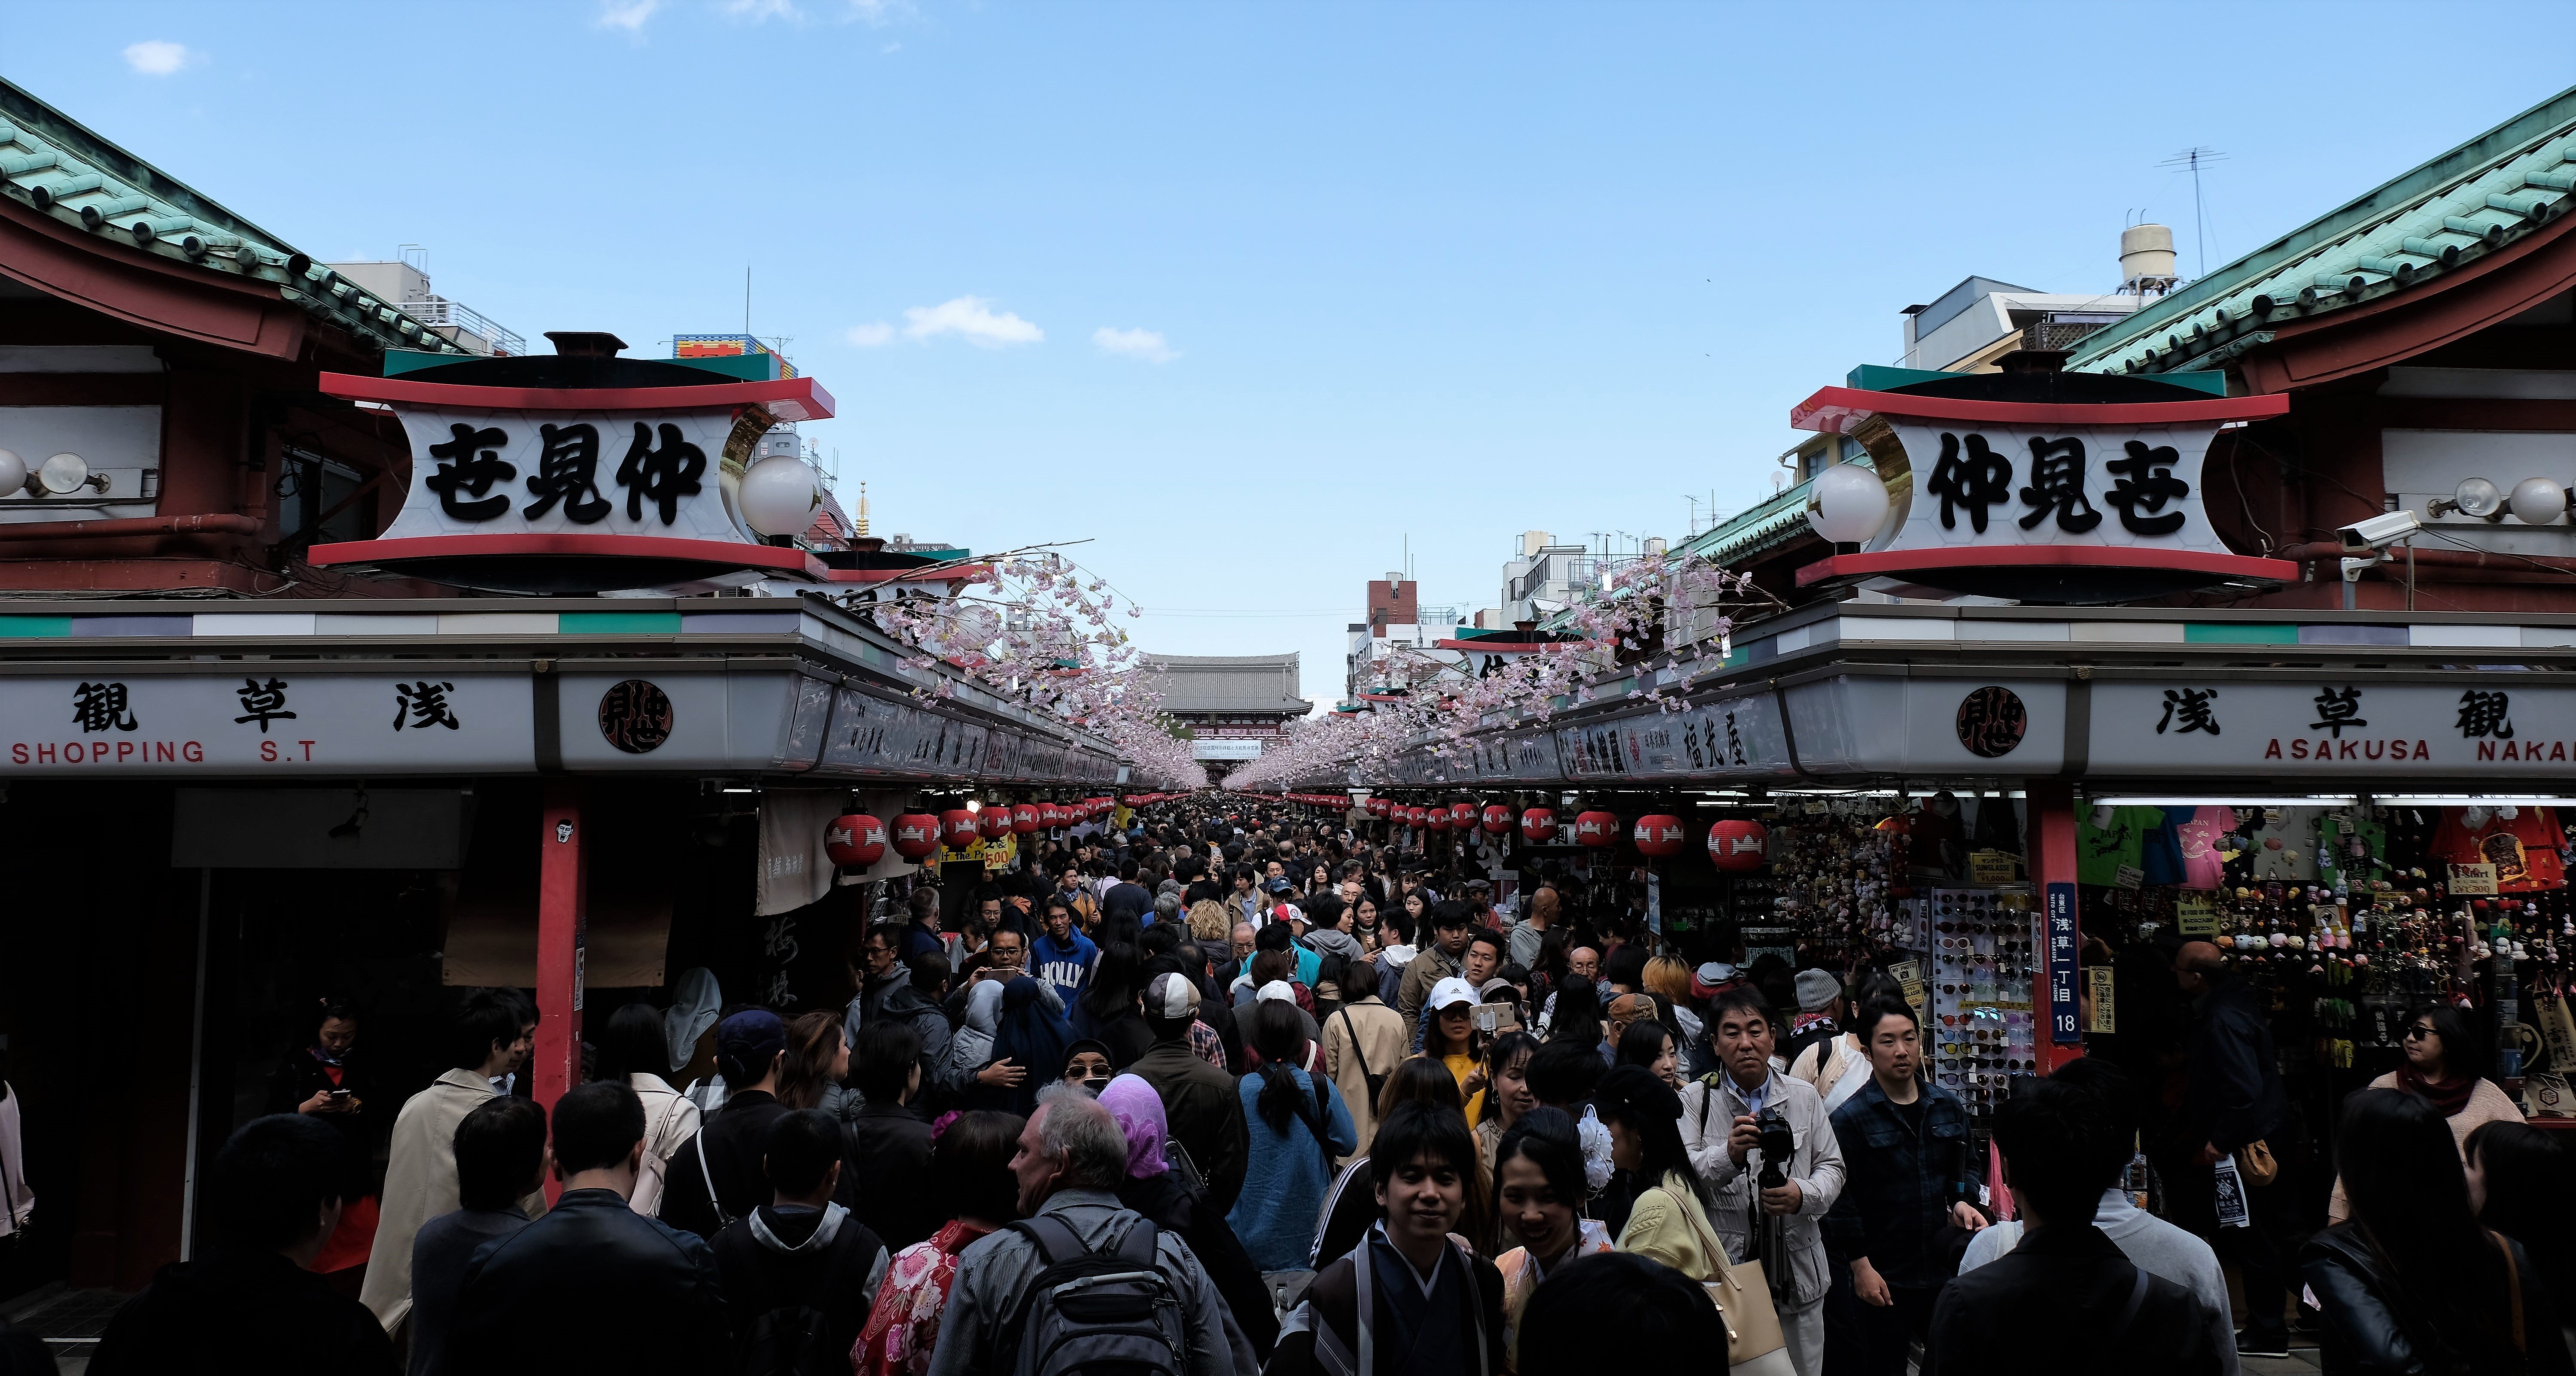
2196,914
2128,877
1991,867
1909,977
2059,926
2473,879
2099,1016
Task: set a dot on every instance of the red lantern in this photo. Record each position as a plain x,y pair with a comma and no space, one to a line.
1538,825
1498,819
1377,807
1660,835
957,828
916,834
1462,816
855,842
1025,820
1436,819
1413,816
1737,846
1599,830
994,822
1053,815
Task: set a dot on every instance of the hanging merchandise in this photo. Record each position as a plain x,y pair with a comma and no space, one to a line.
2522,843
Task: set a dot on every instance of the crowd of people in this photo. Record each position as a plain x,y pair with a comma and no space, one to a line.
1225,1094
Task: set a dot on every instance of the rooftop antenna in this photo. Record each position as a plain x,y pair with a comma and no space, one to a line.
2194,158
1694,512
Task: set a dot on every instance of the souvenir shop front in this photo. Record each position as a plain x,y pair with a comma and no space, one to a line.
2021,812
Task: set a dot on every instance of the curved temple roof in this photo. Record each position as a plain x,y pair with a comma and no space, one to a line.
2478,198
58,167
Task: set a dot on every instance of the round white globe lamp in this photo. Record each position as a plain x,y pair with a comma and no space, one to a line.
779,496
1846,504
2537,501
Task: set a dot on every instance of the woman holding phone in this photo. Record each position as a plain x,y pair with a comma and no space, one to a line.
326,1079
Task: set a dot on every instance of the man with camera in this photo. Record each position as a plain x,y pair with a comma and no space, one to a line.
1764,1145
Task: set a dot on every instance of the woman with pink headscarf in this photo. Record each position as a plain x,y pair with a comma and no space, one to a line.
1175,1200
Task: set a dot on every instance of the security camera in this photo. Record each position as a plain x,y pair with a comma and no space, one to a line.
2379,532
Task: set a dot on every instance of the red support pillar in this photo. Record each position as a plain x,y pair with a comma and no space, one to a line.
2052,865
562,908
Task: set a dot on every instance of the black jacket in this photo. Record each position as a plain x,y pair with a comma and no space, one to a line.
733,1142
1129,899
2371,1330
1168,1203
2232,1078
592,1287
1329,1320
775,1260
1203,1108
1897,1184
253,1312
299,1077
2066,1299
888,1175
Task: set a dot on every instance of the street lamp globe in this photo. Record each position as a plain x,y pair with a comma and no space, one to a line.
1846,504
2537,501
779,496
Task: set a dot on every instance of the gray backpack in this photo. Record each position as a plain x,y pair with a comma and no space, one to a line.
1108,1313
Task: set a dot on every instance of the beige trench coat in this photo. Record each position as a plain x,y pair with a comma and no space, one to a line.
420,1184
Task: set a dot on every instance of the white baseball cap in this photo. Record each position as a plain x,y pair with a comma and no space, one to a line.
1449,993
1276,991
1171,997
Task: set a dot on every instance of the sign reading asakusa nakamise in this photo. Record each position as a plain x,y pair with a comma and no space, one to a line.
2337,728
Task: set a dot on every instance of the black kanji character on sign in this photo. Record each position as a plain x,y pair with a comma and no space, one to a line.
661,476
2188,710
2146,483
422,704
636,716
1734,741
102,707
2483,714
263,702
468,464
2057,484
567,471
2335,711
1991,721
1981,480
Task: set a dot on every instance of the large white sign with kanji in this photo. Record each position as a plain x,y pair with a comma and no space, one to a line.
1986,486
518,472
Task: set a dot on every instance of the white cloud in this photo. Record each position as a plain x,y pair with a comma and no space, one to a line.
877,13
759,11
160,57
1145,344
972,319
869,336
626,14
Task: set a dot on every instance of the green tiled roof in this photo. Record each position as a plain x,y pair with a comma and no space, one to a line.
51,162
2469,202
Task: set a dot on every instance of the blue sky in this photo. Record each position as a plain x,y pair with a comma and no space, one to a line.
1250,295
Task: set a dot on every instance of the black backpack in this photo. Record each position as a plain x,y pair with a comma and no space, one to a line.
790,1338
1109,1313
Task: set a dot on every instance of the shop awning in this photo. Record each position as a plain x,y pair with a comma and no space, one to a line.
490,686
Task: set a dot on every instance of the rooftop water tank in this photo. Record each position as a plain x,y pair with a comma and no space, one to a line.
2147,255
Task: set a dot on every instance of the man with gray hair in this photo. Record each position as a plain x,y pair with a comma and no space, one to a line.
1071,1159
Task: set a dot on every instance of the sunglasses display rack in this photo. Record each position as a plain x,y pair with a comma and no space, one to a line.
1982,1029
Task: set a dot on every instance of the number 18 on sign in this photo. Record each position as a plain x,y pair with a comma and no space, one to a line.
2064,1027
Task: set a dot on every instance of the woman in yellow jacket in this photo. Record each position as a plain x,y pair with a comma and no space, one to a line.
1669,1221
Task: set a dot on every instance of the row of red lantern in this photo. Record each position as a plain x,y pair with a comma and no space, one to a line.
859,840
1732,845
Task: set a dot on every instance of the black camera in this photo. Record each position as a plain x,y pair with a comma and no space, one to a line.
1778,1145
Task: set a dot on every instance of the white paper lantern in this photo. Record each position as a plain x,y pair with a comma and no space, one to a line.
780,496
2537,501
13,474
1846,503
